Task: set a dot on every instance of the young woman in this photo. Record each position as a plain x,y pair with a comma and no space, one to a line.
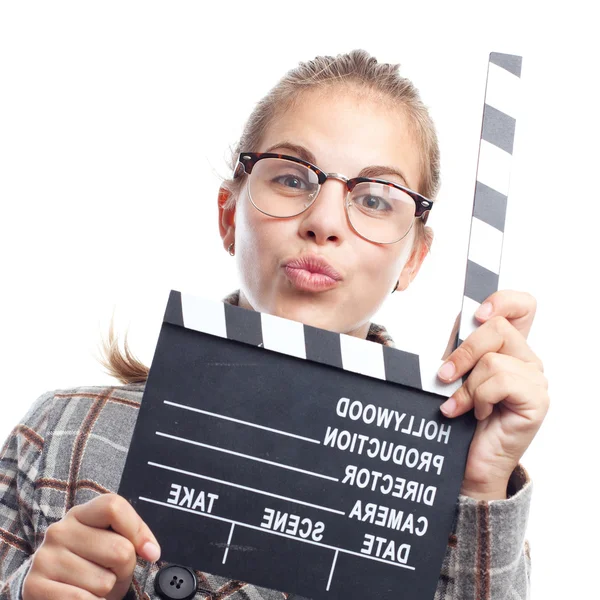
315,245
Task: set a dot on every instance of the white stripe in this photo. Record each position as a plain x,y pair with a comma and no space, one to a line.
331,572
291,537
218,416
362,356
492,570
430,382
468,322
485,245
94,436
203,315
248,489
262,460
228,542
503,90
283,335
494,167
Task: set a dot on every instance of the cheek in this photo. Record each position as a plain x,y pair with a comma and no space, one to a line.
248,224
256,231
259,239
384,263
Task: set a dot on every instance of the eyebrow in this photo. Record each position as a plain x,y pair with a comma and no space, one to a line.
373,171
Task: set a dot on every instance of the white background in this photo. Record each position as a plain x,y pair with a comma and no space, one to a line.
116,118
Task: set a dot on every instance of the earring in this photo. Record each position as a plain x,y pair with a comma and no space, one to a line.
230,249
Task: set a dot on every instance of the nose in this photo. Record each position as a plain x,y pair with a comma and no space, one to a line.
325,221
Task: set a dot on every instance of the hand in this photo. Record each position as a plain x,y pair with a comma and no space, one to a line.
507,389
81,558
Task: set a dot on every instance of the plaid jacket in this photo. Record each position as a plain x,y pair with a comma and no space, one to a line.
72,444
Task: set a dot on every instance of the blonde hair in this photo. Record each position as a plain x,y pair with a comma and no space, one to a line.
358,71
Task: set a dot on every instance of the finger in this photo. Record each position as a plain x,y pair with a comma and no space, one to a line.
496,335
493,363
517,307
522,390
65,567
520,395
105,548
39,587
112,510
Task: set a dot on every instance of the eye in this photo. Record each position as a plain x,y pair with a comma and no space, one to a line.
371,202
293,181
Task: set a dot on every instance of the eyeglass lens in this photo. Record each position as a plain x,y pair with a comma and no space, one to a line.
379,212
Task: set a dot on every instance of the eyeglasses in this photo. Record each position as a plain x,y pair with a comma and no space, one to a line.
285,186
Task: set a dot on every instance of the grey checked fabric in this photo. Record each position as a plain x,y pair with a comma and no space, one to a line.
71,446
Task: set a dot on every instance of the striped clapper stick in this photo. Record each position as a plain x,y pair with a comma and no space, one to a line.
295,339
491,188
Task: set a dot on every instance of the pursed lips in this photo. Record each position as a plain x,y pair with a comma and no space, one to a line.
312,273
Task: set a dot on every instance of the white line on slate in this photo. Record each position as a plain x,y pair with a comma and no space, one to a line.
332,568
228,542
219,416
263,460
243,487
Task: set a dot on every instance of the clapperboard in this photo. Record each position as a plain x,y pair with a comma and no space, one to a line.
304,460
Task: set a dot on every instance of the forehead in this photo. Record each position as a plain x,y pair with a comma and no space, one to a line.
347,131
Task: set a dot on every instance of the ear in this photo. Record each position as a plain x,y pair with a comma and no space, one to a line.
413,264
226,217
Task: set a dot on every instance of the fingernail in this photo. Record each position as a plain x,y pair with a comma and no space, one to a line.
151,551
447,370
448,407
485,310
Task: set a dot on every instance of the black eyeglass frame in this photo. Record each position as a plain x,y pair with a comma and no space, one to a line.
247,160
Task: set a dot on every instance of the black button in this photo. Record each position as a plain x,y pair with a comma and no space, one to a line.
174,582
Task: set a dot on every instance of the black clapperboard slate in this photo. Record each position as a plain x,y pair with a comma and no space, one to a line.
303,460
